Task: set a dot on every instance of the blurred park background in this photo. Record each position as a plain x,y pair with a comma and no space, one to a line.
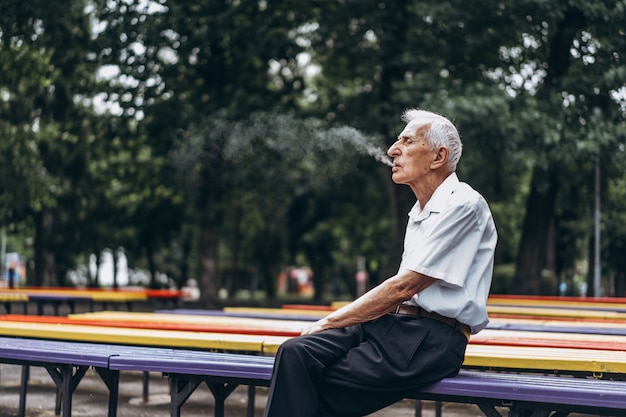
239,144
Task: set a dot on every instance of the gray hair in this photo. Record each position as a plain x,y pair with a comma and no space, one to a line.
441,132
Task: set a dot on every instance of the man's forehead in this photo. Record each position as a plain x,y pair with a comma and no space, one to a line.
415,128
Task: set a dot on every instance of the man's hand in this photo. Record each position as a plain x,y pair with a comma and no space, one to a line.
318,326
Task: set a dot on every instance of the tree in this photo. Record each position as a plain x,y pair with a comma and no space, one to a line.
572,49
46,84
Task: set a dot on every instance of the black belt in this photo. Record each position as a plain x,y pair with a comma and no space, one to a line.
420,312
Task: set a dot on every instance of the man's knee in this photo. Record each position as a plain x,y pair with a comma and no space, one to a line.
292,347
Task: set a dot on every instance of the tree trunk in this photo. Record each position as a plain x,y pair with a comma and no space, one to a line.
209,237
45,269
207,269
115,260
235,245
151,264
532,255
531,258
38,251
184,265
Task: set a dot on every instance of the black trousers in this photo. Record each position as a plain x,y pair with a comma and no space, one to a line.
361,369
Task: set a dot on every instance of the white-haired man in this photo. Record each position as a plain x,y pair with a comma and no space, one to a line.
413,328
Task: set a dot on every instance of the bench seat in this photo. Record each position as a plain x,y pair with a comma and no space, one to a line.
521,393
186,370
66,362
524,394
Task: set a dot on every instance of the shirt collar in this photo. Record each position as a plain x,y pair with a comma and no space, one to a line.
437,201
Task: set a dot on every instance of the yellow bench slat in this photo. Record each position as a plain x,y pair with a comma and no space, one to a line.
143,337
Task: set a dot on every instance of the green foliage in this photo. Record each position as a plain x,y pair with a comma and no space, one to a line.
244,134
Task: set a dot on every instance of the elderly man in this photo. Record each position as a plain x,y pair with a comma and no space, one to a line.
413,328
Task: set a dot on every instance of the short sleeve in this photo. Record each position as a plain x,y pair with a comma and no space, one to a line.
446,245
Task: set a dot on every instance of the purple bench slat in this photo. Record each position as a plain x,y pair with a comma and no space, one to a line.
570,393
60,358
51,351
56,300
616,331
227,365
186,370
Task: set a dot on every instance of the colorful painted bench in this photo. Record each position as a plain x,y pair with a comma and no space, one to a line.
522,394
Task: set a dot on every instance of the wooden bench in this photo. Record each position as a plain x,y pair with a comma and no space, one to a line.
526,395
57,297
187,370
223,372
521,394
66,362
8,299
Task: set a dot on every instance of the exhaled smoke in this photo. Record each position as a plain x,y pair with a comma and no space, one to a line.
366,145
380,155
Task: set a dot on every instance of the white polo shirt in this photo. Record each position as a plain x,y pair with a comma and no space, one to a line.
453,239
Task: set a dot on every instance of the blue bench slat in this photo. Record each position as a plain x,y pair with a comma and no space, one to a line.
51,351
198,363
568,391
615,331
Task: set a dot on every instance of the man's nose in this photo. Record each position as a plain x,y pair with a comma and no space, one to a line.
393,149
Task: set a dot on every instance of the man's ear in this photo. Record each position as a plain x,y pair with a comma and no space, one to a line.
440,158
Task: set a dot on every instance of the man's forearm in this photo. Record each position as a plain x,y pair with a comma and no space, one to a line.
375,303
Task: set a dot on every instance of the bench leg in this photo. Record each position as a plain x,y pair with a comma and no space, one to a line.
418,408
180,389
489,410
220,391
111,378
251,397
23,389
182,386
146,386
66,381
